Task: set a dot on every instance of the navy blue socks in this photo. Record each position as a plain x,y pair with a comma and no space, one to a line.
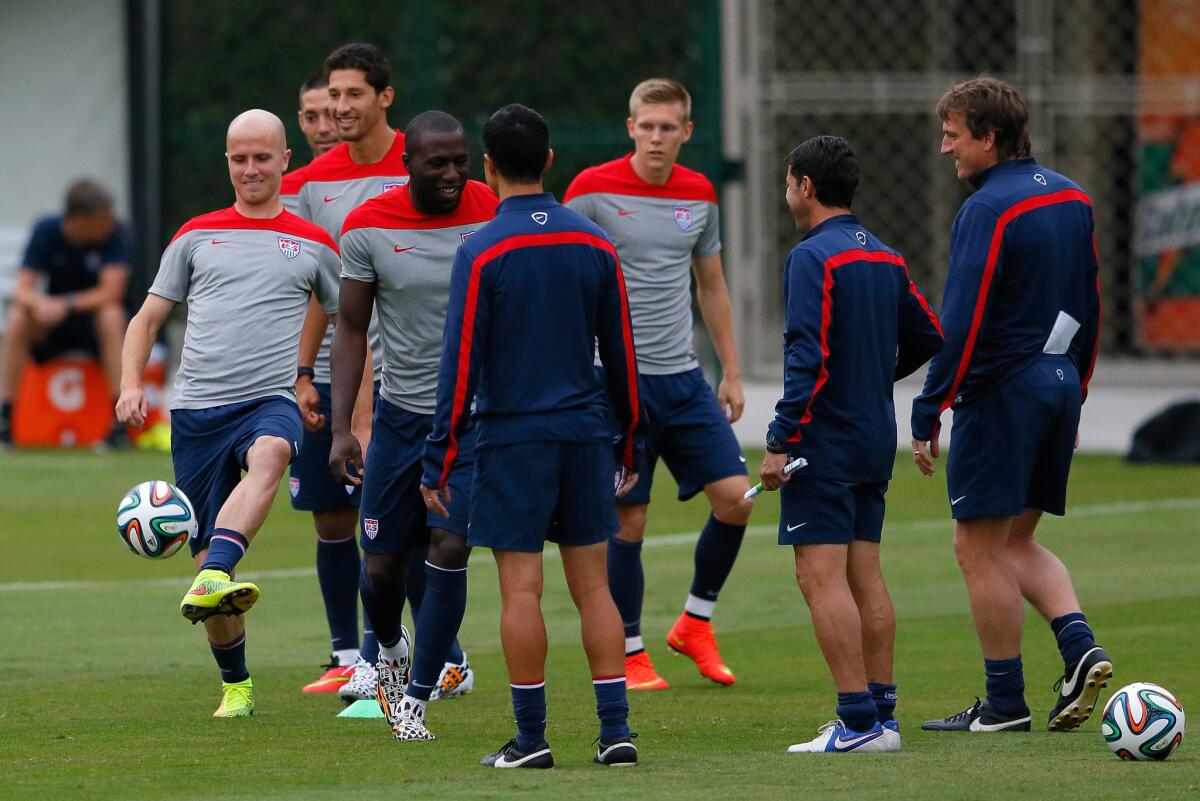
856,710
716,551
529,709
437,626
1074,635
225,550
884,696
338,566
231,659
1006,686
626,582
612,707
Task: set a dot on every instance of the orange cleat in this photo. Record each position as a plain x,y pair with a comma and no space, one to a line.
694,639
641,675
331,680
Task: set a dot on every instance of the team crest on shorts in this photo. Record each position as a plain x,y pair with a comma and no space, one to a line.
370,527
683,217
390,185
289,247
294,486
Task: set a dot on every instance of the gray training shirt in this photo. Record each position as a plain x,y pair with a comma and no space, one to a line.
247,284
657,231
333,185
408,255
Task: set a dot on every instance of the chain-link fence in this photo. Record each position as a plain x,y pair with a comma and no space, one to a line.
1112,98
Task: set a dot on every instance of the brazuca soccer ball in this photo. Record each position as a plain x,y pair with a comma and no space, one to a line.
1142,721
155,519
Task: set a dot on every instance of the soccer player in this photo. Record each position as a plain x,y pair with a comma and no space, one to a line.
1021,313
398,248
663,219
532,294
855,324
316,123
69,292
247,274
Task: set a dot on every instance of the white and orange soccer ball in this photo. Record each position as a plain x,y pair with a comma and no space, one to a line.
155,519
1143,721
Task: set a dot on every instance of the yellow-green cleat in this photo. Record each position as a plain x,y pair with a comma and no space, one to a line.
237,700
212,593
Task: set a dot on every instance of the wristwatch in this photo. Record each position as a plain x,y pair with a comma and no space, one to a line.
301,372
774,444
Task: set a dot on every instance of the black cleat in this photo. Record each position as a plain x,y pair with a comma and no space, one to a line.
620,753
1078,690
509,756
979,717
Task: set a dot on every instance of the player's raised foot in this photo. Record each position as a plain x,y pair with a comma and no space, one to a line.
891,734
391,680
411,725
332,680
641,675
1078,690
509,756
455,681
237,700
694,638
213,593
835,738
361,685
979,717
620,753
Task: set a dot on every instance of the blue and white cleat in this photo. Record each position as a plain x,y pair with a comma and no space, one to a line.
891,733
835,738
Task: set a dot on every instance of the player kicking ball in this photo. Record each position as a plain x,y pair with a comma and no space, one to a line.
532,295
663,219
398,249
855,324
246,274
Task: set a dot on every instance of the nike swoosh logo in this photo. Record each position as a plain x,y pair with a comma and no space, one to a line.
977,726
220,241
623,213
329,199
798,525
847,745
398,249
742,459
1068,687
956,500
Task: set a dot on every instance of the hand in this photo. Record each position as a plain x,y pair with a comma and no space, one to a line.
731,397
49,310
307,398
626,479
771,473
434,498
360,427
345,452
924,458
132,408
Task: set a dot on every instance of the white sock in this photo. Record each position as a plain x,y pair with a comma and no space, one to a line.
345,656
397,653
699,606
634,644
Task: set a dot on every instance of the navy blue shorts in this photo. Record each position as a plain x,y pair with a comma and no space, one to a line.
817,511
393,513
1011,449
313,487
208,449
528,493
686,427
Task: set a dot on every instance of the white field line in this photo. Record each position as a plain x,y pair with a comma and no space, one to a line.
659,541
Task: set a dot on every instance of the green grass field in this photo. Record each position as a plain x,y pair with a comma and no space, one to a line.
107,691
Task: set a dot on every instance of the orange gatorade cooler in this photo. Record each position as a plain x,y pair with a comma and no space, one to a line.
63,403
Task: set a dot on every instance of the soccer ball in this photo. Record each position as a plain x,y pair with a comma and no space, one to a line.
1142,721
155,519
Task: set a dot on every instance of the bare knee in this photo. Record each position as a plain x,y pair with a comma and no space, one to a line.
269,456
110,319
448,550
384,569
337,525
632,519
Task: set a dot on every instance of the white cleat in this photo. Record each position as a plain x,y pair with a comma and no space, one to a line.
361,686
411,725
455,680
391,680
891,733
835,738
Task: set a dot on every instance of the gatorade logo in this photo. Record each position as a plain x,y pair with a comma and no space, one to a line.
66,391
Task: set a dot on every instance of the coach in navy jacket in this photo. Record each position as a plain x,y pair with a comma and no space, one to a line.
855,323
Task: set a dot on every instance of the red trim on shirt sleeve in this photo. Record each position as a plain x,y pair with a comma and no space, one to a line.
916,293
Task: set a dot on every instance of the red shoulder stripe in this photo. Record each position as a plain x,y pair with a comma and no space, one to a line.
285,223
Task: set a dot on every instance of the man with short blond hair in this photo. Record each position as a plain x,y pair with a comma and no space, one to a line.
663,219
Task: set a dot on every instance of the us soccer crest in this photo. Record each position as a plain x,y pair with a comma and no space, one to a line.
294,486
289,247
467,234
370,527
683,217
390,185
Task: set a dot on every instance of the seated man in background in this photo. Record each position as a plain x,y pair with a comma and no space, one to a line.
69,294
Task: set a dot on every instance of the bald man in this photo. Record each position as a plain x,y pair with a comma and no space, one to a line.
246,273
